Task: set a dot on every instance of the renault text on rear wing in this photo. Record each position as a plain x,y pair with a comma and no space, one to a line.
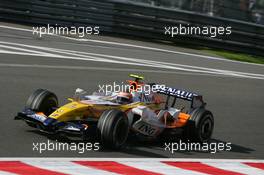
185,95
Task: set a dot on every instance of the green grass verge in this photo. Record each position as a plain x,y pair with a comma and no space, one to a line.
238,56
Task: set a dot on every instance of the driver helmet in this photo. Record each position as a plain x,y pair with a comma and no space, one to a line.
124,98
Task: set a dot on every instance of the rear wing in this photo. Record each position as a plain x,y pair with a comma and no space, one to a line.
185,95
196,100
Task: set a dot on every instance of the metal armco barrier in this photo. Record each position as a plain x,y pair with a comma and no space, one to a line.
133,19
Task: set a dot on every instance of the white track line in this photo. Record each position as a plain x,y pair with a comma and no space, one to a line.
237,167
137,46
98,59
165,64
66,167
16,28
158,167
6,173
135,61
100,68
25,50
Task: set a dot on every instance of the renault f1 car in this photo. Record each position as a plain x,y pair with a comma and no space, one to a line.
104,117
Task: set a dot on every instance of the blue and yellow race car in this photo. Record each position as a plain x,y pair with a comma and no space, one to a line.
111,117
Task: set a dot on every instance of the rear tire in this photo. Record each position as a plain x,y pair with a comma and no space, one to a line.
200,126
113,128
42,100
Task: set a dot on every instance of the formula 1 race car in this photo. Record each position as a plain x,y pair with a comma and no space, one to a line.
112,117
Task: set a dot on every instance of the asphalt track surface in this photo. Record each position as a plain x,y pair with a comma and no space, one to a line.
233,90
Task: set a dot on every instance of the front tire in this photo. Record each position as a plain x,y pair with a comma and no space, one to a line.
113,128
42,100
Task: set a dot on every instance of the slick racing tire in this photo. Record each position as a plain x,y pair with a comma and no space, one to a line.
42,101
113,129
200,126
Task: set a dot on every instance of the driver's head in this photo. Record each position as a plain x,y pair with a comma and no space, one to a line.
124,98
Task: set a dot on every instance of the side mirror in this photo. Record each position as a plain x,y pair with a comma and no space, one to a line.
70,99
79,93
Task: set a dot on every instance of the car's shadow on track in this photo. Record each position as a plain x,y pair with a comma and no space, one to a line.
155,148
135,147
235,147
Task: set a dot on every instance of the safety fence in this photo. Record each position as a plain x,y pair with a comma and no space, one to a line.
136,20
